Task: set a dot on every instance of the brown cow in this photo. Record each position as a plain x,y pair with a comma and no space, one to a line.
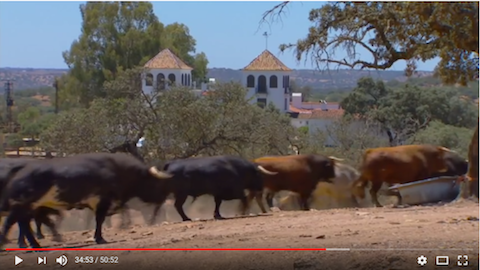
326,195
296,173
398,165
472,174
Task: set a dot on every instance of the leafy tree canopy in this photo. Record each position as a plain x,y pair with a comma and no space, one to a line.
117,36
453,137
402,112
391,31
176,123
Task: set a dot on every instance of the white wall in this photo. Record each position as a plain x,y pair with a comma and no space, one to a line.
275,95
297,103
178,78
299,122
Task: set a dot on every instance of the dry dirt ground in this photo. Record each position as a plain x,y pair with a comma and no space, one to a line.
378,238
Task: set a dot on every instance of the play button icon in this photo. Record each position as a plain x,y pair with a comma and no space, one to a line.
18,260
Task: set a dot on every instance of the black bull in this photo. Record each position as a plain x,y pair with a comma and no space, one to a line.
103,182
455,163
223,177
8,168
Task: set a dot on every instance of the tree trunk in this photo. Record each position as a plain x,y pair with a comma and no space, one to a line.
469,186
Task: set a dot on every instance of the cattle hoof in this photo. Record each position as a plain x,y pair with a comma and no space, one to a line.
219,217
101,241
40,236
57,238
22,245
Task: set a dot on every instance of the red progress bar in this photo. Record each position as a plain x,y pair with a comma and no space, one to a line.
159,249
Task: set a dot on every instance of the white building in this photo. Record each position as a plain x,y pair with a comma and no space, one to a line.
164,70
267,79
314,115
318,116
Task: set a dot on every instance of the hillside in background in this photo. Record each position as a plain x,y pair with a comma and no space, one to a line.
321,81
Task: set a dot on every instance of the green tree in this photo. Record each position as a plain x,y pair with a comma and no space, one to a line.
199,72
117,36
29,121
304,130
176,123
404,111
307,91
15,141
379,34
452,137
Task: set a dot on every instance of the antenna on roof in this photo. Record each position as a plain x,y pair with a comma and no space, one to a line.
265,34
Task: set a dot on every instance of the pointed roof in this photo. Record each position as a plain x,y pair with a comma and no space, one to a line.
266,61
166,59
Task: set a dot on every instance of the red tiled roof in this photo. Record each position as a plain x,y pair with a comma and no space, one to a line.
297,110
317,103
166,59
319,114
266,61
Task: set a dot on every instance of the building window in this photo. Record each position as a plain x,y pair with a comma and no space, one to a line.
262,102
171,79
250,81
149,80
286,81
183,79
273,81
161,81
286,104
189,82
262,84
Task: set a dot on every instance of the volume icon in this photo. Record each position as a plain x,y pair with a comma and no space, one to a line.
62,260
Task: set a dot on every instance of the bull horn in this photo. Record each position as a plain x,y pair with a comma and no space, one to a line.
265,171
335,158
446,149
159,174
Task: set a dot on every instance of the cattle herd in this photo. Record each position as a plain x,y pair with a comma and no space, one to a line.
33,189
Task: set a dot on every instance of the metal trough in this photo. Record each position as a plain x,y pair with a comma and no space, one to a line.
429,190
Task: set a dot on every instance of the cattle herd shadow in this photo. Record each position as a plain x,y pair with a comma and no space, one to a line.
140,213
201,210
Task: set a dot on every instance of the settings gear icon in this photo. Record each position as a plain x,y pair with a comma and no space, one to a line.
422,260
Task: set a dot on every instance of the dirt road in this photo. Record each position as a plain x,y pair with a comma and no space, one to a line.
378,238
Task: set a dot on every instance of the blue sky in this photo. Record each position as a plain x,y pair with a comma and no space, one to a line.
34,34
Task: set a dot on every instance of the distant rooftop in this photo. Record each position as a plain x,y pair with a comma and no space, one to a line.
166,59
266,61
